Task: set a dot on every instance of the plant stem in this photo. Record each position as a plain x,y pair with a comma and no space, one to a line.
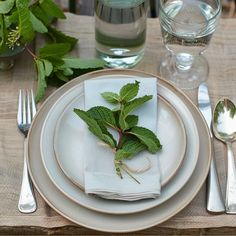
31,53
120,139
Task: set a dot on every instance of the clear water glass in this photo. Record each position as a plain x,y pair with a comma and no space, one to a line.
120,31
187,27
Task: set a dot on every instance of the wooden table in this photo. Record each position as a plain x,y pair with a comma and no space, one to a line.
221,56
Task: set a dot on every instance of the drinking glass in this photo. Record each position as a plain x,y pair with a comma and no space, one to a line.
120,31
187,27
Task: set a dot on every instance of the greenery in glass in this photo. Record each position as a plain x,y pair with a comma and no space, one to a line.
21,21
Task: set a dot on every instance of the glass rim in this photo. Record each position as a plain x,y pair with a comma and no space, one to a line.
217,12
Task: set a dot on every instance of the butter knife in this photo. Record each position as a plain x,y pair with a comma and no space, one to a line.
215,203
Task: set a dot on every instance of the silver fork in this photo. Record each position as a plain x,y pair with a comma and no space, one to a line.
26,112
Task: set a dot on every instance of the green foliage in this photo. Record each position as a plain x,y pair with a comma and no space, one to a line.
20,20
132,138
6,6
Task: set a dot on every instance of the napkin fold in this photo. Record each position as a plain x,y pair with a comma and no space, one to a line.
100,176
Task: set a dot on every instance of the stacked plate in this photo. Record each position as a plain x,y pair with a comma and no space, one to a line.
56,168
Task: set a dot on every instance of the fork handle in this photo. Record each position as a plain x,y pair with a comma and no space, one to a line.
27,203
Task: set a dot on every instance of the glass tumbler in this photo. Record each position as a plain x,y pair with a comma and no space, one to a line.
120,31
187,27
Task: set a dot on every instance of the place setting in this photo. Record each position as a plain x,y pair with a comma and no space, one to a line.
57,157
121,149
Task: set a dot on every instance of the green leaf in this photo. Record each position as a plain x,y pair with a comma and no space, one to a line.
61,76
103,114
129,149
131,120
48,67
147,137
25,27
129,107
59,37
2,34
105,130
12,19
135,103
37,24
94,127
68,72
111,97
52,9
41,14
77,63
6,6
41,85
54,50
129,91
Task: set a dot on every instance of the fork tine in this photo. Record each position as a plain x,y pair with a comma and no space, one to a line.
33,103
19,113
29,118
24,107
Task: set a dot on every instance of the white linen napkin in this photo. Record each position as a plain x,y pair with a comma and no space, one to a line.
99,172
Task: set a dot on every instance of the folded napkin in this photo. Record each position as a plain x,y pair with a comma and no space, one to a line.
100,176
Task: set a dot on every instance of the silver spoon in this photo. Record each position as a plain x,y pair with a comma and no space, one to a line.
224,127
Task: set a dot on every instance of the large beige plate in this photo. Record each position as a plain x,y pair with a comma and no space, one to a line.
166,116
107,222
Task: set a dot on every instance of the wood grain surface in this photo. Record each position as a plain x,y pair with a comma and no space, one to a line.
193,220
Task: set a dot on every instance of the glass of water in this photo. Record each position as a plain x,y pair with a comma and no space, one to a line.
120,31
187,27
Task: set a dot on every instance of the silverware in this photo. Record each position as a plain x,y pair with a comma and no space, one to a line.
215,202
26,112
224,127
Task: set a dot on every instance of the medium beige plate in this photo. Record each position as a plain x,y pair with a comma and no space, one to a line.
107,222
69,128
167,115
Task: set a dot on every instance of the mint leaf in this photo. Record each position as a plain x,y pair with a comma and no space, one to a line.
54,50
68,72
37,24
41,80
61,76
59,37
111,97
77,63
103,114
52,9
25,27
129,91
134,104
48,67
129,107
94,127
131,121
147,137
105,131
6,6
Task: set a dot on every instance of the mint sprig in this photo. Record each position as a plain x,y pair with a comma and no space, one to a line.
132,139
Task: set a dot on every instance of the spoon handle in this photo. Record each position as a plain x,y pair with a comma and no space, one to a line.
230,201
215,203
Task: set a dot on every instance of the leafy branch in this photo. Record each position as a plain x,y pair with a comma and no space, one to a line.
132,139
21,21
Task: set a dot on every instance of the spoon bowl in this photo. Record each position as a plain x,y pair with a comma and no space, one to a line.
224,128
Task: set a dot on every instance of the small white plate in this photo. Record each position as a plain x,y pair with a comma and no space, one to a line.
69,129
117,207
